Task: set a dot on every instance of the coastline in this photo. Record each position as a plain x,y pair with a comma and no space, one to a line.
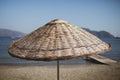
67,72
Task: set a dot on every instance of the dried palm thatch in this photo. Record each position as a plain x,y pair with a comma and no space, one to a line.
56,40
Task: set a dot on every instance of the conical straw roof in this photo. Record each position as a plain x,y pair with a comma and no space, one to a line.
56,40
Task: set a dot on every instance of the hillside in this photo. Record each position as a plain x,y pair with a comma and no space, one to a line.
100,34
10,33
14,34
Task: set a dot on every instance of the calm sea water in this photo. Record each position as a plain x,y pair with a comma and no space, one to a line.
5,58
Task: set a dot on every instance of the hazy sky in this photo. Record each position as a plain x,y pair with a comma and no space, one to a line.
28,15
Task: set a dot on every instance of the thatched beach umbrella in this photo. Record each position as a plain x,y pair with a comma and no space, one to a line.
57,40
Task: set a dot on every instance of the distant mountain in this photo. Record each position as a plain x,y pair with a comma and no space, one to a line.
17,34
10,33
100,34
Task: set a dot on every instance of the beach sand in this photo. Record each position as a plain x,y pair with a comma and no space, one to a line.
67,72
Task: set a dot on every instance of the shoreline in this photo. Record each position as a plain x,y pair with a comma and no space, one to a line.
47,63
67,72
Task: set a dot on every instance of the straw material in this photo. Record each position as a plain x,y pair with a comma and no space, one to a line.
57,40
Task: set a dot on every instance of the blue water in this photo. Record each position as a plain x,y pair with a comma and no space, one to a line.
115,52
5,58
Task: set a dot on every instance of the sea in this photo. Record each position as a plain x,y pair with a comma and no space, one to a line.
5,58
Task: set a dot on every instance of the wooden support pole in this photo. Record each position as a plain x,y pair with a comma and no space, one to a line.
57,69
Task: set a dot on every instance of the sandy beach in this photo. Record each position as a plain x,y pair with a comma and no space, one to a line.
67,72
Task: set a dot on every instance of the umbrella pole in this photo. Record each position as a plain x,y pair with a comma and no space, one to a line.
57,69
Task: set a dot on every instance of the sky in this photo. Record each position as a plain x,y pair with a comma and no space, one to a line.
28,15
